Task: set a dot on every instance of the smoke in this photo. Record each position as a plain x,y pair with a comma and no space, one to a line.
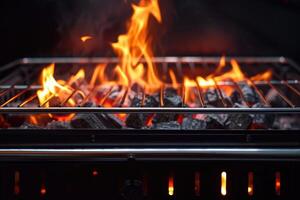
103,20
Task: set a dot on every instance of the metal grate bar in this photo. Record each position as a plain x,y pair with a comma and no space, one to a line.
281,95
292,88
219,92
259,92
103,100
15,97
238,88
27,100
200,94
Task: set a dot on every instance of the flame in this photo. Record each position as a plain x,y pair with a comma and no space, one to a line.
174,81
60,89
85,38
136,68
135,45
233,74
263,76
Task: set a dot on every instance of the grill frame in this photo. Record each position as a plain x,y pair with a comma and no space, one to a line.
77,145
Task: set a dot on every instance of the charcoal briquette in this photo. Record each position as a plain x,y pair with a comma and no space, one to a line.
27,125
100,120
170,100
171,125
286,123
261,120
274,98
87,121
249,94
212,97
193,124
58,125
238,120
138,120
235,97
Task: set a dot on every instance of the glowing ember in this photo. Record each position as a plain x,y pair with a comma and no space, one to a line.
85,38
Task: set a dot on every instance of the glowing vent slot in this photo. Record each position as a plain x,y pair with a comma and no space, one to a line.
171,185
224,183
277,183
197,184
250,184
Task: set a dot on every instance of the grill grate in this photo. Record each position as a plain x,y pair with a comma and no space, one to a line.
15,96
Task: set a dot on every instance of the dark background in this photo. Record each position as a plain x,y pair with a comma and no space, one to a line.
191,27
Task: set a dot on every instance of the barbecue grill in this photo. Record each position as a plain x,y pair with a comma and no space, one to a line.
130,152
136,126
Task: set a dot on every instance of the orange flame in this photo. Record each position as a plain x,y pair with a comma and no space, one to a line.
263,76
59,89
135,44
234,74
85,38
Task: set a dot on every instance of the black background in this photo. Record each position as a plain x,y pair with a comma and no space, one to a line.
191,27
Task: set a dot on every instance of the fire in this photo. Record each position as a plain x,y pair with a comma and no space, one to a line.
263,76
60,90
85,38
135,72
136,44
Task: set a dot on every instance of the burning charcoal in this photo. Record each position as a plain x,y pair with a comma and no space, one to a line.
58,125
262,120
171,99
87,121
193,124
55,102
215,121
171,91
249,94
238,121
287,123
235,97
171,125
27,125
138,120
151,101
95,120
212,97
110,120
